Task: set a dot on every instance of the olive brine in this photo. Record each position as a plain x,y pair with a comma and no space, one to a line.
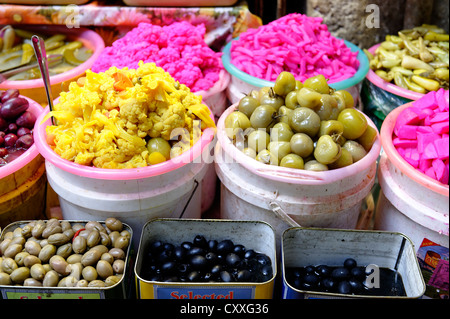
300,125
202,260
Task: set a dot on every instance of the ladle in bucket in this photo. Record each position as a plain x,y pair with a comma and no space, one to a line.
41,56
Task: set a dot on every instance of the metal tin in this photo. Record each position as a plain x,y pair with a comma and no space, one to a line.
256,235
315,246
122,289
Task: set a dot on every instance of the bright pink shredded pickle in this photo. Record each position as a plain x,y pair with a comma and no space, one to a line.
179,49
295,43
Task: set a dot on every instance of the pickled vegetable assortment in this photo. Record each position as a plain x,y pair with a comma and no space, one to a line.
126,118
204,260
58,253
300,125
16,50
16,126
415,59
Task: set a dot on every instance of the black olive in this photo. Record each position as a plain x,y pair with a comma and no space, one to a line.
344,287
266,271
358,273
200,241
329,284
165,255
208,276
262,259
340,273
187,245
171,279
297,283
168,267
199,262
243,275
156,246
168,246
215,270
356,285
183,268
239,250
155,278
179,253
225,246
194,276
232,260
350,263
310,269
250,253
311,279
211,257
298,272
196,251
323,270
225,276
212,245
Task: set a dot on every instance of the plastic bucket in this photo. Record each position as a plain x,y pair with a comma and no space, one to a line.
253,190
410,202
136,195
23,183
242,83
34,89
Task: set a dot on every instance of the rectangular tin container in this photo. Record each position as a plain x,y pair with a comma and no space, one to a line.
255,235
315,246
121,290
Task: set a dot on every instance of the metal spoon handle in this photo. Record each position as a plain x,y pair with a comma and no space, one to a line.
41,56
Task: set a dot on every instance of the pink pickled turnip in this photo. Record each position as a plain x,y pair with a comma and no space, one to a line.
407,132
404,143
442,147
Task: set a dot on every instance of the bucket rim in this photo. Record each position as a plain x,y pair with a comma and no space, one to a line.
360,74
293,175
30,153
181,160
399,162
87,36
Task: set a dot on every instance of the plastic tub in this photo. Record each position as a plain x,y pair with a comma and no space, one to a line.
253,190
242,83
180,3
22,183
168,189
410,201
34,89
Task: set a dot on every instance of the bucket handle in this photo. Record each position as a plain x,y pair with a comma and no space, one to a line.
196,183
281,214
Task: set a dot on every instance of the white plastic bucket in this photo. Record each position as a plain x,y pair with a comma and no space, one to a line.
136,195
410,202
253,190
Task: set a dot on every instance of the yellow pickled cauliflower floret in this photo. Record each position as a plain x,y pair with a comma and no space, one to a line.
107,119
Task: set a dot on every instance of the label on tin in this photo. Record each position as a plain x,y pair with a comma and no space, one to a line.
49,294
182,292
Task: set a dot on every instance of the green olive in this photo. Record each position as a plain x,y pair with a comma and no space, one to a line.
368,138
267,158
283,114
249,152
304,120
263,117
331,127
284,83
344,160
235,123
326,107
272,99
279,149
290,101
247,105
356,149
37,272
20,274
160,145
316,166
258,140
317,83
308,98
344,99
104,269
302,144
51,279
292,161
113,224
89,273
327,151
118,266
281,132
298,85
355,123
5,279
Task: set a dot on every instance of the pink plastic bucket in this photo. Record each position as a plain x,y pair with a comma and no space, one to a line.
34,89
169,189
253,190
410,201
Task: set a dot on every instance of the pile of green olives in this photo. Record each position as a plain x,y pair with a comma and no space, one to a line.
300,125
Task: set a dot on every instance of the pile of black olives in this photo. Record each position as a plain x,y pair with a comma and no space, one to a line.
300,125
204,260
348,279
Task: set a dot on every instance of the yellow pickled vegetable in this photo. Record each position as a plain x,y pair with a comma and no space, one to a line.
106,119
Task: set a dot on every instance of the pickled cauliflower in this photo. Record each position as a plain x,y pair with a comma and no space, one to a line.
106,119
